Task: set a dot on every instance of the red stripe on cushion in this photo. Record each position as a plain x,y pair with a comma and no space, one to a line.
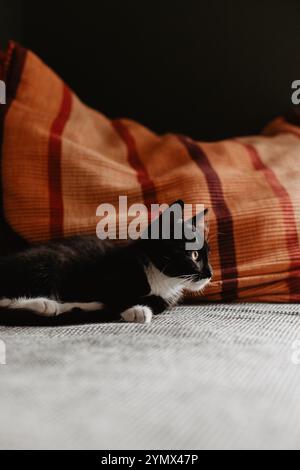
225,229
147,185
12,67
13,62
290,223
56,207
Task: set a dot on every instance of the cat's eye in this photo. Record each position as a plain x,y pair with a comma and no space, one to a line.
195,256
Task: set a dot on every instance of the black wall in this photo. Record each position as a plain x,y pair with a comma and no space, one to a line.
11,20
209,69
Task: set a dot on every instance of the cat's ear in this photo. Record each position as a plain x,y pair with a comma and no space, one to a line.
178,203
194,221
198,227
175,210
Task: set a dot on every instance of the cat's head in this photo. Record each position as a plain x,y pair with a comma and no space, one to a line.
186,256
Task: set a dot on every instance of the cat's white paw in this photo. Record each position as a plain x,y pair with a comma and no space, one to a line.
138,314
40,306
5,303
49,308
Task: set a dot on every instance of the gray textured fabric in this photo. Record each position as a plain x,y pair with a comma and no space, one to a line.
215,376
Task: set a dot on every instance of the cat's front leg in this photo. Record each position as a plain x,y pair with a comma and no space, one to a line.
157,304
151,305
48,307
137,314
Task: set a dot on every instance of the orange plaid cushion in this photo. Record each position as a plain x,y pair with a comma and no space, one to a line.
61,159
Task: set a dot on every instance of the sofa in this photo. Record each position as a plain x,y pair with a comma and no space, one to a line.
202,377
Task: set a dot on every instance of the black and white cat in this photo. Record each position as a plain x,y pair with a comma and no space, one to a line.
133,281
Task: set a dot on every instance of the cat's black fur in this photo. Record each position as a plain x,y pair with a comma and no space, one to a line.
85,269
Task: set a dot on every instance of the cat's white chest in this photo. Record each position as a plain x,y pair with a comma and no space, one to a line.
169,288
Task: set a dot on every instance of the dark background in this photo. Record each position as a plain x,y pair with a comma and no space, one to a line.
207,69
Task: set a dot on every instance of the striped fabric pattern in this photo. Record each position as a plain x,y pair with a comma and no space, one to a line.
60,160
